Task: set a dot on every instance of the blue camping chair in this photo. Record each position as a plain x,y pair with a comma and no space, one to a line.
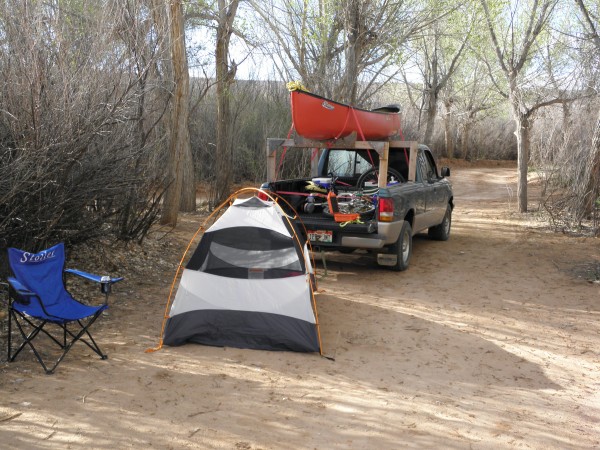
38,299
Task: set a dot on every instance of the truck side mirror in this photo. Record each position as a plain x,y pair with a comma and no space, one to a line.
445,172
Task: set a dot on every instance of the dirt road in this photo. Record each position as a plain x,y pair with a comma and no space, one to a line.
489,340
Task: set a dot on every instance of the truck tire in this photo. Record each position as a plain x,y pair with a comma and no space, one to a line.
403,248
441,232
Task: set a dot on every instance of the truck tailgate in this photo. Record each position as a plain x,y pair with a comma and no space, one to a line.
312,222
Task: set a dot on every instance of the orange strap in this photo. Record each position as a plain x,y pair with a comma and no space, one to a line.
362,135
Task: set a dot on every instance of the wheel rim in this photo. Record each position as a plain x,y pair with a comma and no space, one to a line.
405,247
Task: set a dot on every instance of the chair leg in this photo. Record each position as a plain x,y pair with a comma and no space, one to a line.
64,345
9,332
95,345
77,337
41,328
27,338
84,330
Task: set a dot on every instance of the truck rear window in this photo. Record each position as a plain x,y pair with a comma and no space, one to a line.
349,163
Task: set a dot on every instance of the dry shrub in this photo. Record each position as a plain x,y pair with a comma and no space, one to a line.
563,155
79,102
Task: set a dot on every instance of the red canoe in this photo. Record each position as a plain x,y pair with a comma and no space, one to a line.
321,119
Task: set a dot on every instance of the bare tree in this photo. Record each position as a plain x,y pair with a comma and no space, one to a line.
225,77
302,39
346,49
220,16
473,99
440,47
179,145
513,53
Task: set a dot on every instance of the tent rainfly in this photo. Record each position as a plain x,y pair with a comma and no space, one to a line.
248,284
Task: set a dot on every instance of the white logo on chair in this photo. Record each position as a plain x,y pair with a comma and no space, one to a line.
37,257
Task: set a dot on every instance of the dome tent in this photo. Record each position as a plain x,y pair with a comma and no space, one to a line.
248,284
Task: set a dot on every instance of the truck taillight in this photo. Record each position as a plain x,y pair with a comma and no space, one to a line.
262,196
386,209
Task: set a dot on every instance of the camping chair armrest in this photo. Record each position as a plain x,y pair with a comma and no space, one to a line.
105,281
24,295
20,294
93,277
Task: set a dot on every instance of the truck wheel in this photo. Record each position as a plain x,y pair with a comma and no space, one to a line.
403,248
441,232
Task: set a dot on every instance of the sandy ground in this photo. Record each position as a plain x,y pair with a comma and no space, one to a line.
489,340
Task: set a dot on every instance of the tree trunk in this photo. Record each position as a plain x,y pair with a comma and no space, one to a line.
523,143
188,190
448,137
431,114
522,131
225,77
464,144
432,95
188,187
179,144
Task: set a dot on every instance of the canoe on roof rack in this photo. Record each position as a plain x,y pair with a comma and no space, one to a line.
321,119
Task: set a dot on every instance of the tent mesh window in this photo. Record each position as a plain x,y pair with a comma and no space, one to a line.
247,252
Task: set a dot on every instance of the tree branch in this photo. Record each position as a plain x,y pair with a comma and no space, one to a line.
590,23
497,49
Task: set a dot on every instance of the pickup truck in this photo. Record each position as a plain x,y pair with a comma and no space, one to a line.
384,192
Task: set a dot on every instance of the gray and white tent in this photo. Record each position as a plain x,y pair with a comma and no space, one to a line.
247,284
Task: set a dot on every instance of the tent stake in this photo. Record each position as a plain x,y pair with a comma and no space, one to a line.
324,263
